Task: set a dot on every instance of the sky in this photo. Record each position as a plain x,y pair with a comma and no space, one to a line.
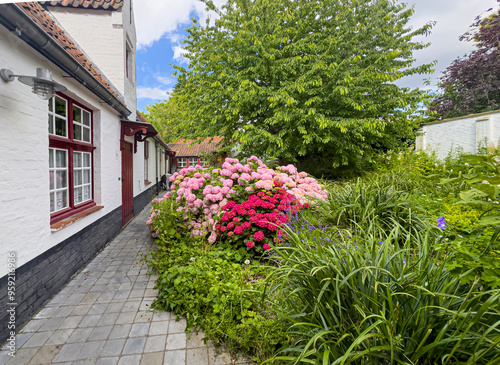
161,28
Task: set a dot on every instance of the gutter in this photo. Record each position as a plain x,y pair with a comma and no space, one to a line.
16,21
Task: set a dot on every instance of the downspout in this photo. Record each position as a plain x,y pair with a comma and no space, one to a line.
18,22
156,163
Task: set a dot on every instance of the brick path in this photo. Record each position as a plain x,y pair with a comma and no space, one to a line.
103,317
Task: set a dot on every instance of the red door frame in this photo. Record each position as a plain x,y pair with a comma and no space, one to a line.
127,182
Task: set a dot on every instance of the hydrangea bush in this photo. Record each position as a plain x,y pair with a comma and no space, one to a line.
244,204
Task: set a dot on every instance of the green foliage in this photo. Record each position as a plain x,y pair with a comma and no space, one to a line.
292,79
215,289
370,204
168,118
382,304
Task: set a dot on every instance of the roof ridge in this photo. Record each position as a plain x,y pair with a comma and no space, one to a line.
87,4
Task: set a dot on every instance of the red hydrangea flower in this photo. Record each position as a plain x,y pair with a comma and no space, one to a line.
238,230
259,236
250,244
266,247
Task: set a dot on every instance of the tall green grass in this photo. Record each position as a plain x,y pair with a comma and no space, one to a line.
379,303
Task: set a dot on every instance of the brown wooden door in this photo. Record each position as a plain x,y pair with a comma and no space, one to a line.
127,183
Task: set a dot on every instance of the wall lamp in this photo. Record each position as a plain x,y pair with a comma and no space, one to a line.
42,84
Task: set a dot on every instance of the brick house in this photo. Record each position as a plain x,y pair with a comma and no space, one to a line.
76,164
203,153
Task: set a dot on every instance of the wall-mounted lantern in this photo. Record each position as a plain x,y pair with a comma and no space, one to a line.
42,84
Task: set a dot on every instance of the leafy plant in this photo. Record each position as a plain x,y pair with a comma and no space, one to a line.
383,304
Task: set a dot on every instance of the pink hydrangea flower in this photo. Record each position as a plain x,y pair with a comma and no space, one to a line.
266,247
250,244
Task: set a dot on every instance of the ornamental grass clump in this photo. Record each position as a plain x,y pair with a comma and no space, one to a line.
241,204
376,302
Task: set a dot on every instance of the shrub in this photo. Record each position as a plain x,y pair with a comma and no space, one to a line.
203,194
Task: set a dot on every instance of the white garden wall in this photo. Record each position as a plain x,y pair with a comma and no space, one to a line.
464,134
24,177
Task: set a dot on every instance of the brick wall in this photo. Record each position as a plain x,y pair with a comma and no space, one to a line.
41,278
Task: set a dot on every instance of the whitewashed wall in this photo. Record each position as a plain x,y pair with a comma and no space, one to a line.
24,177
464,133
103,35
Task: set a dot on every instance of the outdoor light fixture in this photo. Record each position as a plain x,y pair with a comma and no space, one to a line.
42,84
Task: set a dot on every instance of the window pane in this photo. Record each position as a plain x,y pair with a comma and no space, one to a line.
60,127
86,118
86,134
51,180
51,124
61,199
78,195
77,114
61,159
51,158
61,107
77,159
78,177
51,107
86,160
77,132
86,176
52,202
61,179
86,192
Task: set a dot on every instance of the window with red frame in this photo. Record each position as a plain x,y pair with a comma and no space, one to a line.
146,161
71,170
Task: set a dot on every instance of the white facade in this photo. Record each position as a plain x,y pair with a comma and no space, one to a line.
107,37
24,178
464,134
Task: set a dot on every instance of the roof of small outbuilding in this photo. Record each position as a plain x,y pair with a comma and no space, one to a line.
209,145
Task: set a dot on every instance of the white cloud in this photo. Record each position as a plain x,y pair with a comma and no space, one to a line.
453,19
164,80
154,18
155,93
179,53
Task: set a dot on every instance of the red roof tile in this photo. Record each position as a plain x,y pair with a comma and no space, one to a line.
95,4
36,12
182,148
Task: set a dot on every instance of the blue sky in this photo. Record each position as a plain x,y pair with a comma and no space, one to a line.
160,30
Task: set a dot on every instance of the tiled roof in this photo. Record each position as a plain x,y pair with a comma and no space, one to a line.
94,4
37,13
181,147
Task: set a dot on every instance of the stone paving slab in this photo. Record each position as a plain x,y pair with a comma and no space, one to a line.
103,316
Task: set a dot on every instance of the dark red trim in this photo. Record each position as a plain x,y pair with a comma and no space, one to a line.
58,216
71,146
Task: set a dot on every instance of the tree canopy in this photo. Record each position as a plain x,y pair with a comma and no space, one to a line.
297,78
471,84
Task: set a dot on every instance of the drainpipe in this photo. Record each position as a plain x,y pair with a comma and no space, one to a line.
156,163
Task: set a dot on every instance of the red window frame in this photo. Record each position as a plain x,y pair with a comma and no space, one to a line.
71,145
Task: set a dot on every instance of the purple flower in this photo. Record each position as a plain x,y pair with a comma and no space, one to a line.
380,242
441,223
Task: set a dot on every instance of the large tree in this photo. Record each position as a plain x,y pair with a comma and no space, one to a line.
471,84
297,78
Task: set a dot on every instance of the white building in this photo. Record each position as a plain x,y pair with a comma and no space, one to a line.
464,134
75,168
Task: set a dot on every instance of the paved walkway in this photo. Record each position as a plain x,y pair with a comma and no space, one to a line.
103,316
